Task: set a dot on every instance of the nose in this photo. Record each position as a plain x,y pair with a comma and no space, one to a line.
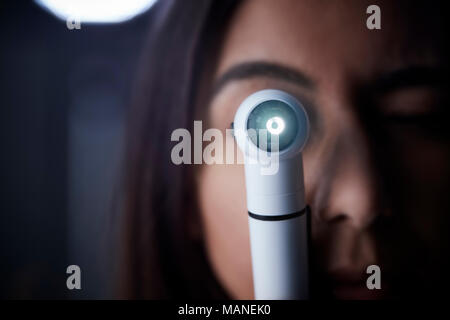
345,202
350,192
347,187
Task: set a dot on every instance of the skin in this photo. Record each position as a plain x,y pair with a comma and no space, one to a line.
370,177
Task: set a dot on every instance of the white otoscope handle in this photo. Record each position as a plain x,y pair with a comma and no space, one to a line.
279,258
278,231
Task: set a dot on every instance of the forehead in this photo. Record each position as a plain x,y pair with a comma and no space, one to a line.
325,39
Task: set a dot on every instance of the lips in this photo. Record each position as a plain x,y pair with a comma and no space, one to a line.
355,292
351,285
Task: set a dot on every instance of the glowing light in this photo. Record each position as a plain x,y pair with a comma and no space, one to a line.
275,125
96,11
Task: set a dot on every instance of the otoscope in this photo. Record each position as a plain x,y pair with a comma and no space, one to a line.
271,128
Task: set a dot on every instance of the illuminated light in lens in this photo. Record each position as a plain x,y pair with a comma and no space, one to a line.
96,11
275,125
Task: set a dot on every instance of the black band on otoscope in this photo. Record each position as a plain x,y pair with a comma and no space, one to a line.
278,218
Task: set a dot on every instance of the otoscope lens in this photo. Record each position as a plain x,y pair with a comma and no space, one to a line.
270,123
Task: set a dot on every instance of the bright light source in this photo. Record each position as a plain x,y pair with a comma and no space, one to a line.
96,11
275,125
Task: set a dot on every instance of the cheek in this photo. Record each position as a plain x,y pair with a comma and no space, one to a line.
424,162
426,168
224,214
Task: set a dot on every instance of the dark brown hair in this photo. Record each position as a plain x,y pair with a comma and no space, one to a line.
161,258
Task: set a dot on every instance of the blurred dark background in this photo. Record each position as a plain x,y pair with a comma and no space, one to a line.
64,95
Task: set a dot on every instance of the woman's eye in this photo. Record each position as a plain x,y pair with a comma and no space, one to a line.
433,114
424,107
433,123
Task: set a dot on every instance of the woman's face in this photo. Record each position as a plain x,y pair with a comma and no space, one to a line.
375,164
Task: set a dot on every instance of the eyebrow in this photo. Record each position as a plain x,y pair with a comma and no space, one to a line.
248,70
413,76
